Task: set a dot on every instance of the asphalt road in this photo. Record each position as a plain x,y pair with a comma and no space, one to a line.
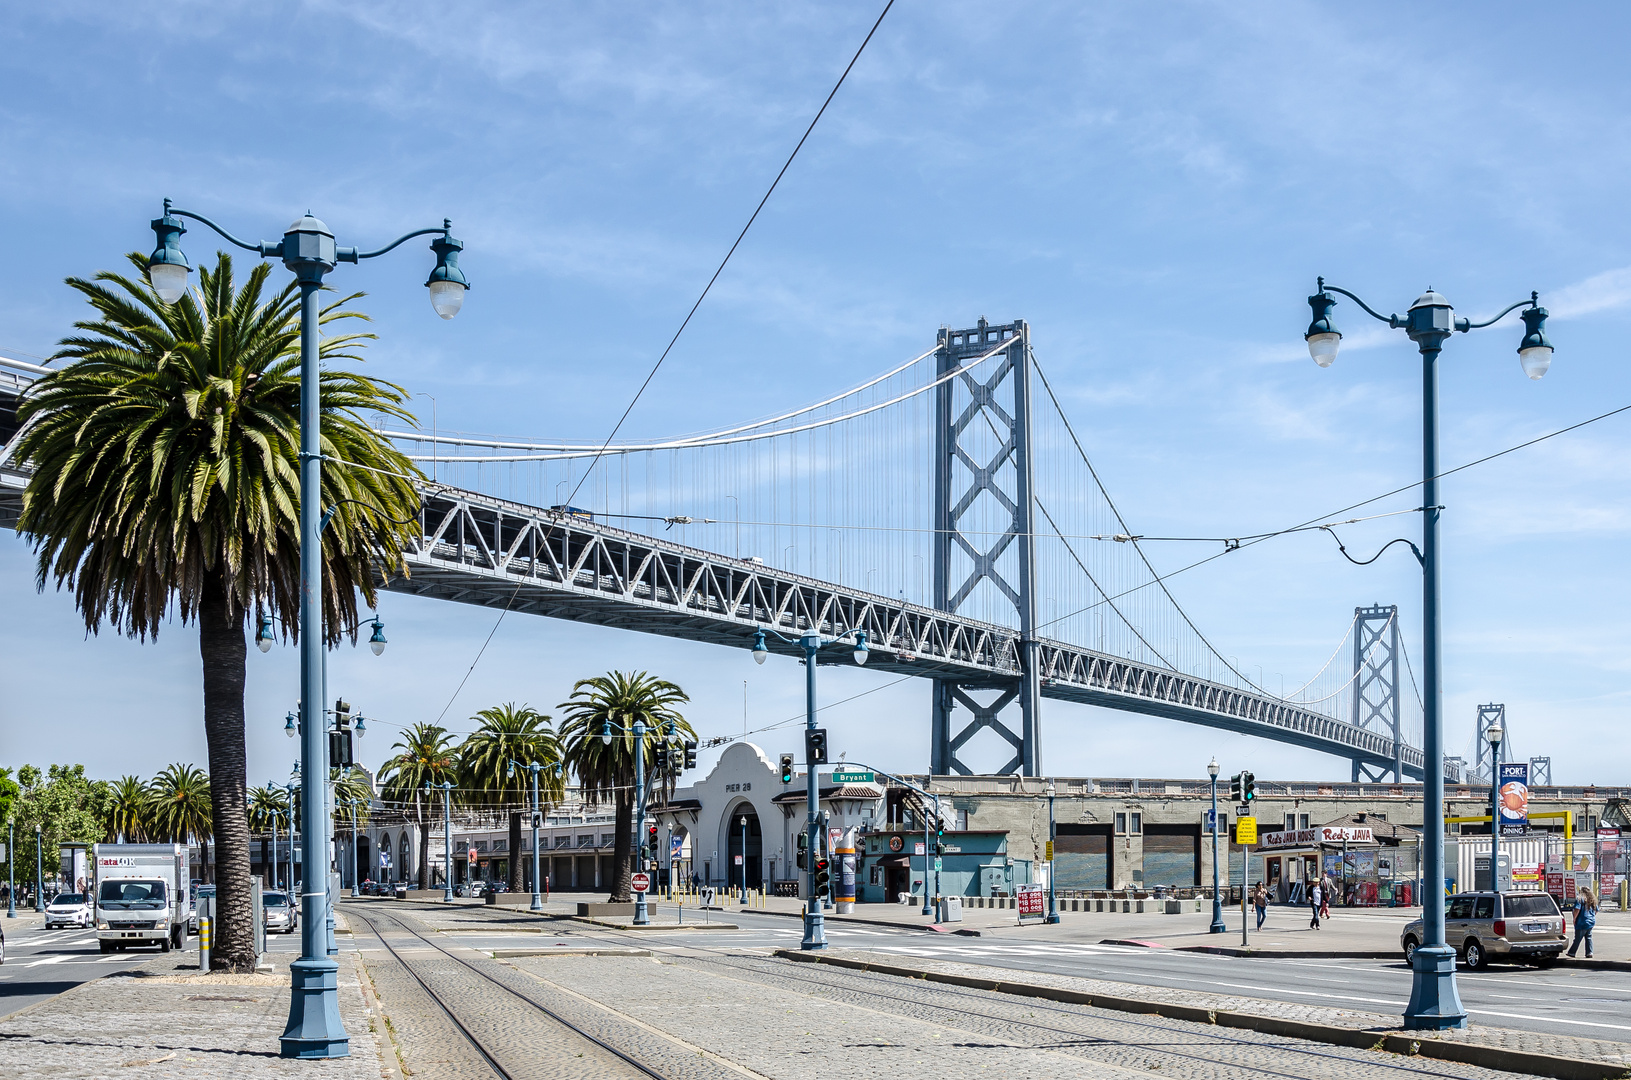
42,963
1592,1004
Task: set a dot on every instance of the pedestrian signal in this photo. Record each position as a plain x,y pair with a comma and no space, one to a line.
804,847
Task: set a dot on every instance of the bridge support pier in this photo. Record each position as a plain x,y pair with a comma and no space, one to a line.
984,545
1376,686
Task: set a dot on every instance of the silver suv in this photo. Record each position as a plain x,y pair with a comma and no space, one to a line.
1485,926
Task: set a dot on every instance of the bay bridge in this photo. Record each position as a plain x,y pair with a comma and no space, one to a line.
947,507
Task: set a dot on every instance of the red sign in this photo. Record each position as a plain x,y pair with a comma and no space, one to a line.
640,882
1030,901
473,856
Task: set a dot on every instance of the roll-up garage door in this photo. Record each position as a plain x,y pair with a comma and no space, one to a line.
1172,855
1081,857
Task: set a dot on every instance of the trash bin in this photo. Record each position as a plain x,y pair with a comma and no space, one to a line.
951,909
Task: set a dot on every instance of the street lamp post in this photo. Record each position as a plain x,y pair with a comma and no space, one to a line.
1217,926
1435,1003
815,932
642,916
1494,734
289,789
1053,906
39,868
537,901
356,870
11,869
742,894
308,249
447,838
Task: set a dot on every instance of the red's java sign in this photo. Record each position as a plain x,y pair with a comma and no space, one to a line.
1325,834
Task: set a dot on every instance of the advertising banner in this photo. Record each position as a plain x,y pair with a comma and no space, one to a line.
1513,793
1030,901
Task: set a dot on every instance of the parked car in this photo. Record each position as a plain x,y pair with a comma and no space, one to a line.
400,890
192,918
1485,926
279,913
69,909
499,886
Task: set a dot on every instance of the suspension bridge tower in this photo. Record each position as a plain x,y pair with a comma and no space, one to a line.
1376,685
984,542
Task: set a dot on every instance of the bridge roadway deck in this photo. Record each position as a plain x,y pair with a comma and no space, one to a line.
476,549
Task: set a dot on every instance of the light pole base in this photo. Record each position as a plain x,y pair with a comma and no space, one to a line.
314,1030
1434,1002
537,904
1217,926
1051,919
642,916
815,930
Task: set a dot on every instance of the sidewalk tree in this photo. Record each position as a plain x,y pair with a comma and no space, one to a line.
509,733
167,480
180,810
268,812
424,755
129,811
69,806
606,771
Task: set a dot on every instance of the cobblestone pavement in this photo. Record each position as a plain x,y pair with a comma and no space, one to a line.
165,1020
729,1012
511,1023
1551,1043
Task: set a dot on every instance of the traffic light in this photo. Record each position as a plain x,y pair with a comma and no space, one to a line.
787,768
342,714
691,755
804,848
823,877
1237,787
659,759
339,749
651,836
815,746
1249,786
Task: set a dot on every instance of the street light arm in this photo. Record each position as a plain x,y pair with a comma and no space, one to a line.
1391,320
263,249
1534,299
353,255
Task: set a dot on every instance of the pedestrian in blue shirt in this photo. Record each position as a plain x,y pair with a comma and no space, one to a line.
1585,917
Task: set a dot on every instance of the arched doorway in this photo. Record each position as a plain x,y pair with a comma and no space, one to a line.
753,863
402,857
380,869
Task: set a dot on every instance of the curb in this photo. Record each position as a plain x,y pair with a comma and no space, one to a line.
930,928
1488,1057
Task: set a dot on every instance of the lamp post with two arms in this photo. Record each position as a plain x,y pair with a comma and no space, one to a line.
638,729
308,249
535,768
446,787
1434,1000
811,642
1217,926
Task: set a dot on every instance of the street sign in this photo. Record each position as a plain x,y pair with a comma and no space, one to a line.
937,866
834,838
736,860
1211,824
917,848
1048,852
842,776
1246,830
640,882
2,853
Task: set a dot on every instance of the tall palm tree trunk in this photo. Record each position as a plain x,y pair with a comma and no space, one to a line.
267,877
222,646
620,851
515,851
424,844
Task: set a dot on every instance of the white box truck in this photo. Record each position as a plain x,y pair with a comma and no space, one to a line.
140,895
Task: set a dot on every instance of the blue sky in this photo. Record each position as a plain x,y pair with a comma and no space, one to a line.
1154,188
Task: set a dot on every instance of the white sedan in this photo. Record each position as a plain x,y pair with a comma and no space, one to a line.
68,909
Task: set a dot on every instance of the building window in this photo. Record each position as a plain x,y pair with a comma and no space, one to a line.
1302,821
563,841
1291,823
1121,823
587,840
501,845
608,839
1138,824
480,845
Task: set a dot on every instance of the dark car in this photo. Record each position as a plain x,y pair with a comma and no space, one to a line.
1485,926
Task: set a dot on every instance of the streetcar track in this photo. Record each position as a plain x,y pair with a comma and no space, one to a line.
721,957
1120,1019
470,1036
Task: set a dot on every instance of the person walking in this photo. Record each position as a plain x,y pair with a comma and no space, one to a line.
1260,900
1585,917
1314,898
1325,897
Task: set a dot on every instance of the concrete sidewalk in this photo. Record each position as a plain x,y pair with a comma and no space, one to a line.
166,1019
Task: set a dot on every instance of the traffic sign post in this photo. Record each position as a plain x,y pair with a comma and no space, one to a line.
854,776
640,882
1245,836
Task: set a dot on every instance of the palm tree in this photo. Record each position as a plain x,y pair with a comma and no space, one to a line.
268,809
606,769
128,811
179,807
167,479
510,733
425,756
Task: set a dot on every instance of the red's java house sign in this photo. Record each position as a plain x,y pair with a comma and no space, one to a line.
1326,834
